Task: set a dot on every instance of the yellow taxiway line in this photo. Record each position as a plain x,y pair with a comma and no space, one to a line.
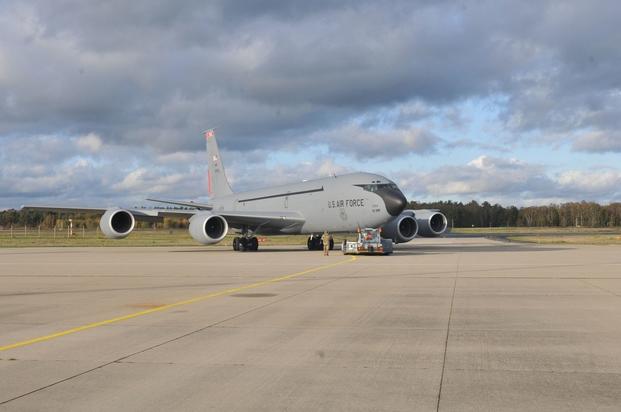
171,305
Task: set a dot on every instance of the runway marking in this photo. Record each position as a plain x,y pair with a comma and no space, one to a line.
172,305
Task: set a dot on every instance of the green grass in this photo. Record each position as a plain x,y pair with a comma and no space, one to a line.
145,237
569,240
535,230
181,237
551,235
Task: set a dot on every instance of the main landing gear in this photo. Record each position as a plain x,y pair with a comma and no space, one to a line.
314,242
243,244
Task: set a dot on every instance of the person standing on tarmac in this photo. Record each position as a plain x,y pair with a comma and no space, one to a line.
325,238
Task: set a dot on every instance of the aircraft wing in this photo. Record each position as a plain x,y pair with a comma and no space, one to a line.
139,214
68,209
270,221
265,221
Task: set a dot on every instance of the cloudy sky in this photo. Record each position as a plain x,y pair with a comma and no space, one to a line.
103,103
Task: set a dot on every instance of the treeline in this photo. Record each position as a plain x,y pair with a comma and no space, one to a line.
485,214
45,220
459,214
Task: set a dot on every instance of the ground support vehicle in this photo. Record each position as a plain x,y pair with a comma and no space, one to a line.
369,242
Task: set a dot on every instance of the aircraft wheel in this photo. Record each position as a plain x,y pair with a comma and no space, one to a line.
235,243
314,243
242,245
254,244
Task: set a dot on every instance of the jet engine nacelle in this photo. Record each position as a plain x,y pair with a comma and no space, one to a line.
401,229
117,223
431,223
208,228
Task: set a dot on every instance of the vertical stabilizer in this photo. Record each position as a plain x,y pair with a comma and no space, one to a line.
217,183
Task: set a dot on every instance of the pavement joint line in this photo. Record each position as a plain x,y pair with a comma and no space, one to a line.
448,331
117,319
599,287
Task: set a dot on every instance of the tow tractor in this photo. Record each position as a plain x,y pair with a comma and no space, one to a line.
369,242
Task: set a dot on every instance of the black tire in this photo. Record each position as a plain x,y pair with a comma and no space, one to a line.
254,244
243,246
236,243
314,243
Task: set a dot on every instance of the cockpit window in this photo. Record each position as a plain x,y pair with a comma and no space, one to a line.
378,186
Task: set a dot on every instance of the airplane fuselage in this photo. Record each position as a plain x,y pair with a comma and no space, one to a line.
337,204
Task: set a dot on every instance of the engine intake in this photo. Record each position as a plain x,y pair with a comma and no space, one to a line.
207,228
117,223
401,229
431,223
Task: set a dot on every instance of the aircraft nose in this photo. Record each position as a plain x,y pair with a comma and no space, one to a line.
394,200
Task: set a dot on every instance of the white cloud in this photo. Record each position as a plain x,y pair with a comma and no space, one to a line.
182,158
329,168
364,143
512,181
90,143
144,181
598,142
485,176
133,180
591,183
254,176
45,169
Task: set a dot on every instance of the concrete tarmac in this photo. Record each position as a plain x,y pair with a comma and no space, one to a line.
452,324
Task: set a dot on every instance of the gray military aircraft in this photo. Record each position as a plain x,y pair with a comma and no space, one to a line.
336,204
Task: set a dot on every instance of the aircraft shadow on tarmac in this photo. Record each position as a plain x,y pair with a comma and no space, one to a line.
403,249
261,250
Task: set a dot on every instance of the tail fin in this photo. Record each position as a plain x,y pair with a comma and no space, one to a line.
217,183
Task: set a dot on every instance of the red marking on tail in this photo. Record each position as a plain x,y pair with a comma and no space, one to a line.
209,133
